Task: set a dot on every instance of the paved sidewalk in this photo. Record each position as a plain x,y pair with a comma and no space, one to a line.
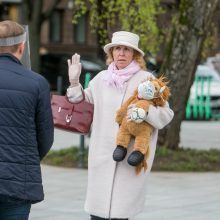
200,134
170,196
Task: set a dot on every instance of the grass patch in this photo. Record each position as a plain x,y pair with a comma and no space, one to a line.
186,160
181,160
68,157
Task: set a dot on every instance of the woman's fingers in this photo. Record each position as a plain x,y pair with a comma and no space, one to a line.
73,59
69,62
76,59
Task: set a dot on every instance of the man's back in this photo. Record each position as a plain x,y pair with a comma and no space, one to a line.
26,126
26,129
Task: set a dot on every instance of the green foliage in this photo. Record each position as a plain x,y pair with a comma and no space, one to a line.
185,5
79,10
138,16
211,41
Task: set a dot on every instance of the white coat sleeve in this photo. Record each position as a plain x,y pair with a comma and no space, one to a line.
74,94
159,117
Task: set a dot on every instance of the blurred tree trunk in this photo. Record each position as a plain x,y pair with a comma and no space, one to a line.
100,11
34,16
183,54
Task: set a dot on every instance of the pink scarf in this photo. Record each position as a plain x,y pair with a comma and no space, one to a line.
117,78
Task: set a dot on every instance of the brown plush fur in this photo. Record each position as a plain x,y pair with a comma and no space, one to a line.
140,131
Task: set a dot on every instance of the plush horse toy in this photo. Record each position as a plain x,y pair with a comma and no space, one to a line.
152,91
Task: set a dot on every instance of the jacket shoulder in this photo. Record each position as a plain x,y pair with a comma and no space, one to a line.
35,77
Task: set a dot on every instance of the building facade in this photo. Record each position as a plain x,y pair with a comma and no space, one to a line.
59,36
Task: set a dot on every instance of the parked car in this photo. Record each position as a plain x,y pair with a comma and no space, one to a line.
214,62
55,65
204,99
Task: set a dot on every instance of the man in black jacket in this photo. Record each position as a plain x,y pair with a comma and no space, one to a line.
26,127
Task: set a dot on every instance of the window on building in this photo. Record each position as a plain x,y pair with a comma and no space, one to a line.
80,30
4,11
56,26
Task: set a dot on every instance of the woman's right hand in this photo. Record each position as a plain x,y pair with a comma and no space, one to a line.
74,69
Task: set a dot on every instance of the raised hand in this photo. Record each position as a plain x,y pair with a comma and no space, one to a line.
74,69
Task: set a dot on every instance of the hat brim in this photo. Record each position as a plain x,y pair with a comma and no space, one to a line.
108,46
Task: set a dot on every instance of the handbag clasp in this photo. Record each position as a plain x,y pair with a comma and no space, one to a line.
68,118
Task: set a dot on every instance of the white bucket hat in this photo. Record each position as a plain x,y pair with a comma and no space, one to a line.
126,39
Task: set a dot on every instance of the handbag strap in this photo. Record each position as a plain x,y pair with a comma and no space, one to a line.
83,94
69,115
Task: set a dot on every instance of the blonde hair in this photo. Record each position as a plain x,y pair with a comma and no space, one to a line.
136,57
10,29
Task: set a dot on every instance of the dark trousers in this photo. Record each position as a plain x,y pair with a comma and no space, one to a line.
14,210
98,218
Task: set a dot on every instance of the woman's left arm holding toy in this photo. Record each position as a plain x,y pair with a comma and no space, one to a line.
158,116
153,92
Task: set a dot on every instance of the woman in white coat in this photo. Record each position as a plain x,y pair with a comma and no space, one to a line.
114,190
